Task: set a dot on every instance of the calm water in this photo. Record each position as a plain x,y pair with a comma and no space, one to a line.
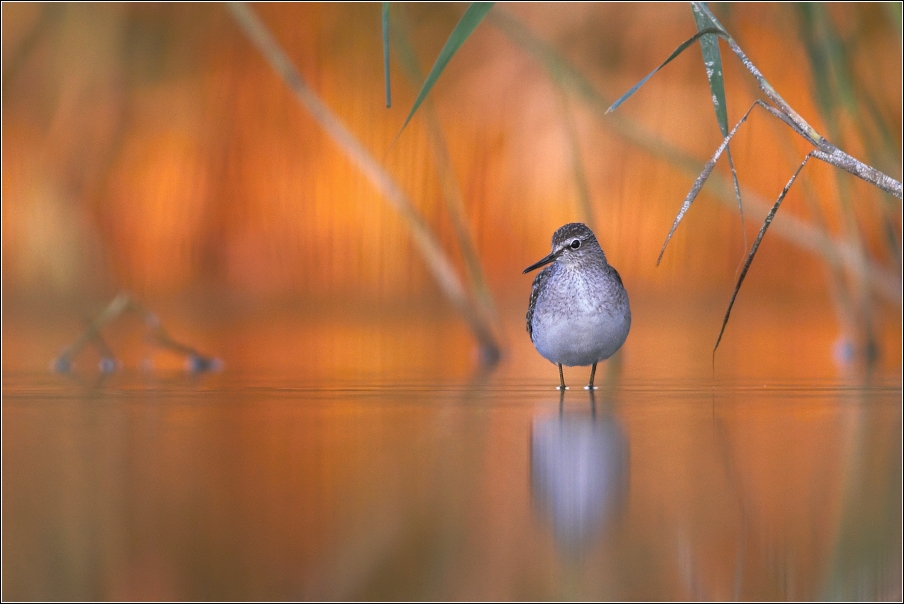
227,488
347,458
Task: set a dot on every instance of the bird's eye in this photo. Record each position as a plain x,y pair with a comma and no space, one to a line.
575,244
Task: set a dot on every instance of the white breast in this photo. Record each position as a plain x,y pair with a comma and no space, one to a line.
579,321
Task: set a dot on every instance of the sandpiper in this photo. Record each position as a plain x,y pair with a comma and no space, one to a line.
578,312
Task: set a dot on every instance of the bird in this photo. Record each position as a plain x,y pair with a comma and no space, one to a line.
579,313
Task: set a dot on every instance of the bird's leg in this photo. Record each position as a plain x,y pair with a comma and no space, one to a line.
561,378
590,386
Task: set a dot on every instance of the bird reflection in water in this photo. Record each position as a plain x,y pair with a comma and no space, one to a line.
579,473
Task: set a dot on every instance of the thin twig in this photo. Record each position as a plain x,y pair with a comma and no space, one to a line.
711,164
756,245
122,303
794,230
63,362
108,362
704,175
832,154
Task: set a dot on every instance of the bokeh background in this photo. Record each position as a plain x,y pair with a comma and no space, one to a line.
150,148
352,448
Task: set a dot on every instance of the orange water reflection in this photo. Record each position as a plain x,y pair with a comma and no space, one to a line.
224,491
347,456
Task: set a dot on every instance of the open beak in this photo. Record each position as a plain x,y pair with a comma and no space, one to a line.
551,258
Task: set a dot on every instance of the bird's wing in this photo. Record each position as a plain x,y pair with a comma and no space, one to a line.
539,280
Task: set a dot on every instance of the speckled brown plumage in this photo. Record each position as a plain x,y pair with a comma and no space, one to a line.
578,313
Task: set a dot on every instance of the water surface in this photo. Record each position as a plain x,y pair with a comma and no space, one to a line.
346,454
236,487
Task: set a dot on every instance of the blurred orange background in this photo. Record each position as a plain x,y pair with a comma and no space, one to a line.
150,147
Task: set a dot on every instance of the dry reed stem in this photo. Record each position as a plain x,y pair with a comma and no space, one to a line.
798,232
123,303
432,253
826,151
445,169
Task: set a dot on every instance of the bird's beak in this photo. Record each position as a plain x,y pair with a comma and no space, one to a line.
551,258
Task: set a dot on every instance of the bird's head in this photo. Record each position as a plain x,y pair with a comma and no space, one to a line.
571,244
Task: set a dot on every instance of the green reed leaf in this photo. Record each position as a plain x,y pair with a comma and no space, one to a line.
386,53
463,29
709,30
712,61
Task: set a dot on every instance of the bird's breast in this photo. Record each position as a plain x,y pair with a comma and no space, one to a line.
581,319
